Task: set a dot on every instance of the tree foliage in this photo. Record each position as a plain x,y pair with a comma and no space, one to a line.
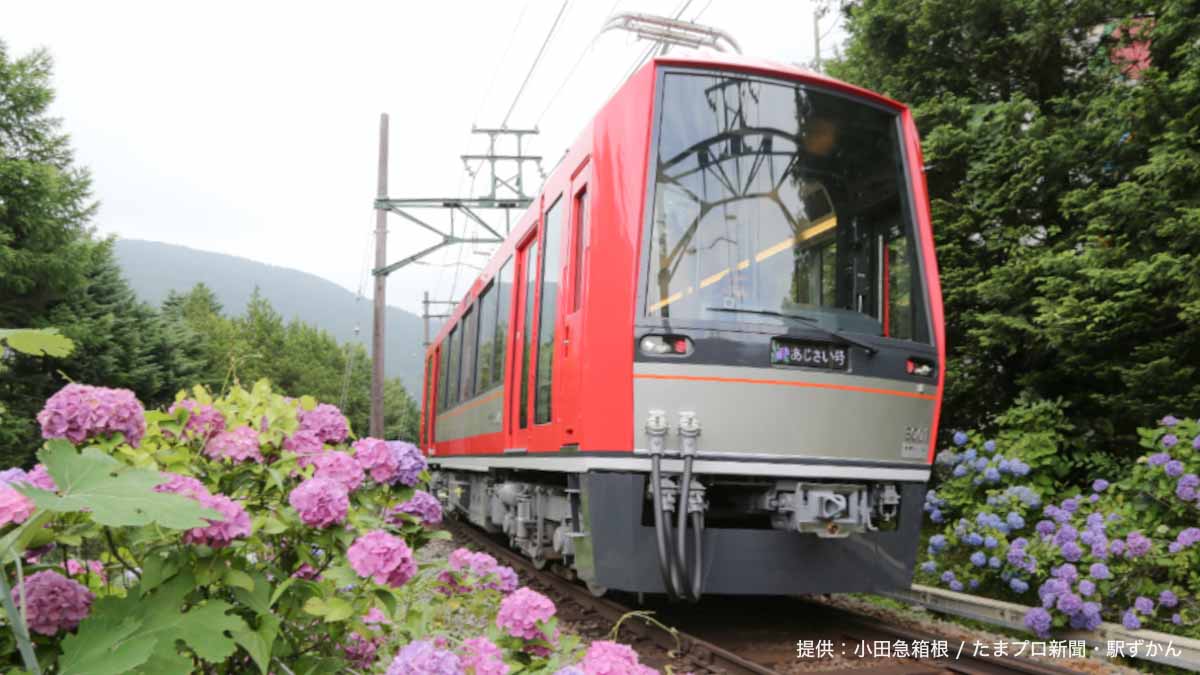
1065,188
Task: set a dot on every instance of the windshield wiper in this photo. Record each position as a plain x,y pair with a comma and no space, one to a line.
835,334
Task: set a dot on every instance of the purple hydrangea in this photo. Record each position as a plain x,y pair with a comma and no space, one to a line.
377,459
409,462
422,657
1169,421
990,446
1169,440
1018,585
340,468
1168,599
53,602
1069,603
204,421
1130,620
1137,545
78,412
423,505
521,611
1177,619
1143,605
956,585
1071,551
1087,587
1158,459
238,445
1188,487
481,656
1099,571
1038,620
1174,468
1099,485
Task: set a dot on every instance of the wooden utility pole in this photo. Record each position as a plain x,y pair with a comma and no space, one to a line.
380,315
817,14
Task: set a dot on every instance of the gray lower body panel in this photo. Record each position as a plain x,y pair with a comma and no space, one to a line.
747,561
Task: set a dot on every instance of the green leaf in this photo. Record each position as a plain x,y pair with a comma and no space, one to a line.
440,534
109,646
14,543
258,597
115,495
37,342
258,643
239,579
330,609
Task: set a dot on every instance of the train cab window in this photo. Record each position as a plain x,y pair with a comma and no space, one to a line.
771,204
548,312
504,292
485,358
455,353
470,335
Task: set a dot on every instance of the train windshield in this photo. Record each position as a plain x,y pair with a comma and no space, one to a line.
778,203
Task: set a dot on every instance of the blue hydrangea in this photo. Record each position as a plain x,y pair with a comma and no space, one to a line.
994,563
1144,605
1071,551
936,516
978,559
1038,620
990,446
929,567
937,542
990,542
981,464
974,583
974,539
1018,585
956,586
960,438
1130,620
947,576
1019,468
1099,571
1014,520
970,455
960,470
991,475
1087,587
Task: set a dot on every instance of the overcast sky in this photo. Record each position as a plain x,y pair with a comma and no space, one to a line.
250,128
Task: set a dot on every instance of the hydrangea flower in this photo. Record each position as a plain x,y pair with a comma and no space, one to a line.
1130,620
612,658
219,533
1158,459
39,477
1038,620
1188,487
321,502
382,557
238,445
1099,571
409,462
54,602
960,438
978,559
1137,545
76,568
182,485
423,505
1169,421
929,567
481,656
79,411
1099,485
204,421
326,422
306,444
936,543
374,456
361,651
1018,585
989,445
506,580
14,506
340,468
1169,440
1174,468
521,611
1144,605
1087,587
422,657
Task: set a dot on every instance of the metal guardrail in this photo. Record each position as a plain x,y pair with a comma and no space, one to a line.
1011,615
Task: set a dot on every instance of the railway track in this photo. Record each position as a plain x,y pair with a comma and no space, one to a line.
758,636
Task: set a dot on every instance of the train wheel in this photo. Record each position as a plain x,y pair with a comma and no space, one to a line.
596,590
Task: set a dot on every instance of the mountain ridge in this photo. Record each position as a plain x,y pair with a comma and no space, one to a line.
153,269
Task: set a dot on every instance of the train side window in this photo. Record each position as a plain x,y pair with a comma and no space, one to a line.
487,339
470,335
455,353
548,312
443,376
581,236
504,293
529,264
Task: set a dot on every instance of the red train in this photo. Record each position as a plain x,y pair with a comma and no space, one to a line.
710,357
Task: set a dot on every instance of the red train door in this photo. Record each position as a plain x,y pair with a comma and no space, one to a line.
571,344
520,401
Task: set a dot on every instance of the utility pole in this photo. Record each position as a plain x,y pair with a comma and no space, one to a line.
380,314
817,14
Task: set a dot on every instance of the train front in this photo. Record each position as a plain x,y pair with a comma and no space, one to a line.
787,337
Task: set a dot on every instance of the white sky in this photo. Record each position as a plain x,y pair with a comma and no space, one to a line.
250,128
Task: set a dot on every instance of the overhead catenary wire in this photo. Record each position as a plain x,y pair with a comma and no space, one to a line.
533,66
562,85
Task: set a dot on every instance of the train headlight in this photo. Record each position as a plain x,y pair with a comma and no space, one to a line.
666,345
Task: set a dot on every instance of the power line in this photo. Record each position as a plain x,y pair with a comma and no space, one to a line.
503,59
533,66
562,85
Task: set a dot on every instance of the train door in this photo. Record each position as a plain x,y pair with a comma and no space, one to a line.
520,401
571,345
545,408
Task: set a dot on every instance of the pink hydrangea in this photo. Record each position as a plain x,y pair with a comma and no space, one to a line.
361,651
481,656
39,477
382,557
182,485
375,616
422,505
422,657
77,568
505,580
377,459
613,658
14,506
306,444
409,462
54,602
467,570
321,502
239,445
339,467
326,421
219,533
204,421
521,611
79,411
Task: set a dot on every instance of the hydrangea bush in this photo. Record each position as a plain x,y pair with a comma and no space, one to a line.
1125,549
249,532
